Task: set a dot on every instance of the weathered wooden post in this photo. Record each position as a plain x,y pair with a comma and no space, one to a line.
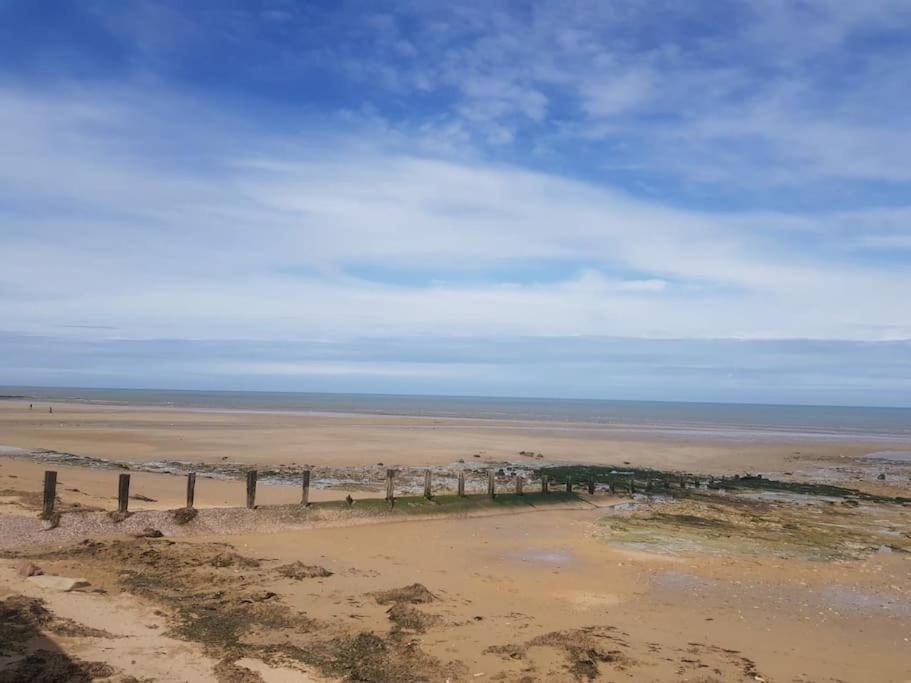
591,486
305,488
520,485
491,484
569,485
545,489
390,486
50,493
632,485
428,494
612,485
251,489
648,485
191,489
461,485
123,493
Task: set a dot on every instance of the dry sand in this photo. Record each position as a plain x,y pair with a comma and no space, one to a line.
708,587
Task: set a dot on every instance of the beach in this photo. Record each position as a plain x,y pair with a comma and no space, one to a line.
671,584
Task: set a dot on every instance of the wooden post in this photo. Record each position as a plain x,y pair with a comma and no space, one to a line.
520,486
569,485
591,486
50,492
251,489
390,486
461,486
632,485
123,493
611,484
191,489
544,487
305,488
491,484
428,494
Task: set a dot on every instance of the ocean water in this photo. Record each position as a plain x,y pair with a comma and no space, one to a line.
700,419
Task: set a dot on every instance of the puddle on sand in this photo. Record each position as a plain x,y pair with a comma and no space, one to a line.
542,556
893,456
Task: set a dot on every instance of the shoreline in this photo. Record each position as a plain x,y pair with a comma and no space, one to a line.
632,431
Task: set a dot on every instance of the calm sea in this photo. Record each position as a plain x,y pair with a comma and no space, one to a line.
718,419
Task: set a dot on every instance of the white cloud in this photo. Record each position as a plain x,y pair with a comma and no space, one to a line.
256,243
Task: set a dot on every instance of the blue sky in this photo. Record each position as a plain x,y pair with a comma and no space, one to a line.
693,201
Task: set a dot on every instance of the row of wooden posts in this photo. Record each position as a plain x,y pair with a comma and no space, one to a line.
123,487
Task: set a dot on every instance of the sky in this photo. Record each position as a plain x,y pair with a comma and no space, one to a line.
608,199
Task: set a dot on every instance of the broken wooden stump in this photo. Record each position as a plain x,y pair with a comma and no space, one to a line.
305,488
191,489
50,493
123,493
251,489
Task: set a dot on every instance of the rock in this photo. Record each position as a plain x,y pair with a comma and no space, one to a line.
415,593
259,596
881,477
63,584
27,569
149,532
298,570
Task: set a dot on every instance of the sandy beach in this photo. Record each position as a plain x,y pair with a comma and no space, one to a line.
669,585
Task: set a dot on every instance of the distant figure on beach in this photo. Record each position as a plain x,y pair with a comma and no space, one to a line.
51,410
29,406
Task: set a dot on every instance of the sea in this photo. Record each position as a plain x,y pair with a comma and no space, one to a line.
702,420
